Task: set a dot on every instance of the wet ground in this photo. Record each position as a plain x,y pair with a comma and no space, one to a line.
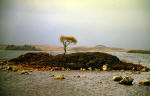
37,83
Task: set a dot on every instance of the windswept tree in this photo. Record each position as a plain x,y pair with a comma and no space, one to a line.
67,40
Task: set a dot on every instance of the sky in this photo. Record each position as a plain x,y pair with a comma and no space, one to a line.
114,23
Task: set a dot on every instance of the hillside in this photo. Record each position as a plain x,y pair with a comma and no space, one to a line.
98,48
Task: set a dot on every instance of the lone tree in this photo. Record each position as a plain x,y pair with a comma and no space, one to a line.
67,40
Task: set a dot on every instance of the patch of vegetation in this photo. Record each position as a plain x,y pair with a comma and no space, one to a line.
139,51
74,61
24,47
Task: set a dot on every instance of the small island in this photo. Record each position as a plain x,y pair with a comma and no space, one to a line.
73,61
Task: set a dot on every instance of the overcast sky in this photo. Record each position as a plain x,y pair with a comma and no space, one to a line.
115,23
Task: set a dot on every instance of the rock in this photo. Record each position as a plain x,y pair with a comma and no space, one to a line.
77,76
144,69
14,70
8,68
145,82
117,78
51,75
24,72
68,69
122,70
96,69
90,68
136,72
82,69
99,82
105,67
126,81
59,77
83,76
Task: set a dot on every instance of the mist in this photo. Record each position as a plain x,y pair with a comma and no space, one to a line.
115,23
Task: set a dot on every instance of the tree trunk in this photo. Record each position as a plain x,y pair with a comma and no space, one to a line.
64,50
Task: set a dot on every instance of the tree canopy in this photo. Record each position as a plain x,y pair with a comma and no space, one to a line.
67,40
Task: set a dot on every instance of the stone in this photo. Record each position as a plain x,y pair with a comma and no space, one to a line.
77,76
105,68
136,72
59,77
99,82
51,75
117,78
126,81
96,69
8,68
83,76
82,69
145,82
90,68
144,70
24,72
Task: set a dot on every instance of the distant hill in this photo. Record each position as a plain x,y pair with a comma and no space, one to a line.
98,48
19,47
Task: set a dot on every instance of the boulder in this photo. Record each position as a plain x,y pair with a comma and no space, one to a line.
14,70
136,72
24,72
117,78
9,68
59,77
105,67
90,68
82,69
50,75
145,82
99,82
96,69
144,69
77,76
83,76
126,81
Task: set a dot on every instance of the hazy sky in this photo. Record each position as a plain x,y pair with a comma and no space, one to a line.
116,23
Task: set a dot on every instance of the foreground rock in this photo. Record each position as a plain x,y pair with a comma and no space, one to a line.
24,72
50,75
83,76
126,81
105,67
117,78
145,82
59,77
9,68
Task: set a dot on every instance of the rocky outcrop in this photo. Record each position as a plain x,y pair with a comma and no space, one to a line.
117,78
145,82
126,81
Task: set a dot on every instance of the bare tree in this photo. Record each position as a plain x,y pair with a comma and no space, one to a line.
67,40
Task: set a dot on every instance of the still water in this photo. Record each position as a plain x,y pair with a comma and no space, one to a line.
37,83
